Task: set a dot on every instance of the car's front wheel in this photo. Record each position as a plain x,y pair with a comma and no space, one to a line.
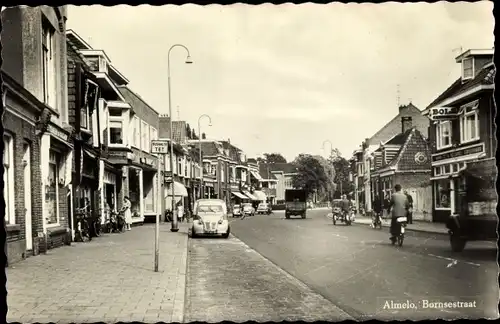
193,233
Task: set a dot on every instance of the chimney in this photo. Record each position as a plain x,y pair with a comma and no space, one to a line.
164,125
406,124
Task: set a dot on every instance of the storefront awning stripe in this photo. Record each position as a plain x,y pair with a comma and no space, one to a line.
252,197
179,190
255,175
260,195
239,195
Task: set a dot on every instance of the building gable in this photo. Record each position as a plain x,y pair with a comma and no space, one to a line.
415,154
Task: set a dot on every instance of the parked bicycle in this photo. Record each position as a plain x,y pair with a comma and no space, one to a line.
82,232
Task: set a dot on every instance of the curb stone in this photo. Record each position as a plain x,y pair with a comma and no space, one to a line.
180,292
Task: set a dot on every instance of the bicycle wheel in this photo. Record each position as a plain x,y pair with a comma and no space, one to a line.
97,229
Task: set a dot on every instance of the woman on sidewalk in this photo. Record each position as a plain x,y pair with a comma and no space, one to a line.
128,214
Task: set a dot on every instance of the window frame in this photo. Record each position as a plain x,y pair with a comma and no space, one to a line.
464,77
468,110
49,84
57,164
153,132
439,133
436,192
145,136
115,119
9,187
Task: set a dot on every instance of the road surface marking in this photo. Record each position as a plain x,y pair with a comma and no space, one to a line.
453,261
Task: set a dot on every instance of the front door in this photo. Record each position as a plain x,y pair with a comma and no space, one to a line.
27,197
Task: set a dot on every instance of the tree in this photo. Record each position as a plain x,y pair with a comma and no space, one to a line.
203,136
188,131
193,135
342,170
329,189
274,158
310,175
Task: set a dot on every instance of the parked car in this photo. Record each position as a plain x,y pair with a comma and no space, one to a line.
248,209
210,219
237,210
264,208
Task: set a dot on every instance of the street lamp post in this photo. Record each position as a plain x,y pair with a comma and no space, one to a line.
331,151
175,225
199,143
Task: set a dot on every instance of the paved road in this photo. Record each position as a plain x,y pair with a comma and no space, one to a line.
357,269
227,280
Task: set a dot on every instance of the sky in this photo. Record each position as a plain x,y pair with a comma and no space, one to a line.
287,78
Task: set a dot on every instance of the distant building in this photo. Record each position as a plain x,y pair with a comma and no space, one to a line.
408,116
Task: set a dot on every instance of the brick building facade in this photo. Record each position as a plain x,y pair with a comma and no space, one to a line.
463,129
36,153
404,160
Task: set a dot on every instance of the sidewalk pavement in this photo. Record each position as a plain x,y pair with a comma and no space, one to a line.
109,279
417,226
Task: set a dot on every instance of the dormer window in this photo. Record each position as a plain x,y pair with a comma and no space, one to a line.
468,68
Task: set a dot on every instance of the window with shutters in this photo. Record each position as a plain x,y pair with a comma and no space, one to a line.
49,60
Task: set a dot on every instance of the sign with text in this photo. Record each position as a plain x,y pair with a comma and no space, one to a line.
159,146
443,113
62,136
167,176
462,152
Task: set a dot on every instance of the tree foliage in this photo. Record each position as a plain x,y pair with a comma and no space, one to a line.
274,158
203,136
342,170
310,175
189,135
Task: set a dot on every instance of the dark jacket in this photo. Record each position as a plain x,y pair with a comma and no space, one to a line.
410,199
399,205
346,205
377,204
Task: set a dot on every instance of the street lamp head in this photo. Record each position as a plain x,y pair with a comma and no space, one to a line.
189,60
210,125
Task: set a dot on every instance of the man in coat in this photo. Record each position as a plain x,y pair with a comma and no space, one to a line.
399,206
410,210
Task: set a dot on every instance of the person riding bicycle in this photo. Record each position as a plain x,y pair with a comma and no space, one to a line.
399,205
345,205
377,208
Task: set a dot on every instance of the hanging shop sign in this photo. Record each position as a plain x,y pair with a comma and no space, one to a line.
443,113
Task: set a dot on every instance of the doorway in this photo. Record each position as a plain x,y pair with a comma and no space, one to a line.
27,196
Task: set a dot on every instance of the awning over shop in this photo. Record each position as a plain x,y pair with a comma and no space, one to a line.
256,175
250,196
260,195
239,194
179,190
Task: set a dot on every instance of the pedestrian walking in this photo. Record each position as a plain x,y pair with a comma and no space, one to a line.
386,204
410,209
128,213
180,212
399,206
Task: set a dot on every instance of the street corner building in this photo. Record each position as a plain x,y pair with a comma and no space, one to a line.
462,131
405,160
38,150
363,162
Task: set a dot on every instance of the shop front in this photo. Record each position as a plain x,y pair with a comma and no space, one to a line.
180,192
446,180
209,188
143,186
56,155
85,184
